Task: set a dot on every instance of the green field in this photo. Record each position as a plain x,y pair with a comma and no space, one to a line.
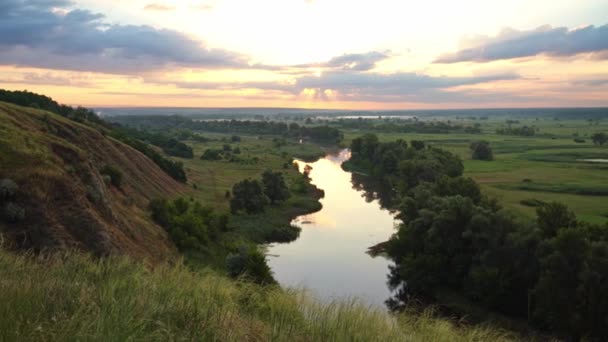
545,167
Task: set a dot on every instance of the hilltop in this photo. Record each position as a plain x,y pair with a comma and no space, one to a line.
75,187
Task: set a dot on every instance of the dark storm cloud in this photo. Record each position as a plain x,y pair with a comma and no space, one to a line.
559,41
33,34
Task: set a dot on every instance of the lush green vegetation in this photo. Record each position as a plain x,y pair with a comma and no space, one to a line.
320,134
174,169
130,137
549,166
553,273
73,297
33,100
169,144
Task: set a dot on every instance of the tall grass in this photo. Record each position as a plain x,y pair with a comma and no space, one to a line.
74,297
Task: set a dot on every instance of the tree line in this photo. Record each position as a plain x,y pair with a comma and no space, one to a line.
552,272
322,134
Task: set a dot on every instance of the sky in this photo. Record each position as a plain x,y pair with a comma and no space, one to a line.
332,54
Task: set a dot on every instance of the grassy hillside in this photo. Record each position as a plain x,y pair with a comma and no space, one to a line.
73,297
65,195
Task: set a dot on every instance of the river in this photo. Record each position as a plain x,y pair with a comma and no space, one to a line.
329,258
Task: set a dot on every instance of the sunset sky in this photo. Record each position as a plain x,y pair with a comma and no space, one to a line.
340,54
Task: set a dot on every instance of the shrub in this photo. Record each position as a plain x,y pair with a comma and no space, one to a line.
8,189
212,154
481,150
13,213
247,195
114,173
250,264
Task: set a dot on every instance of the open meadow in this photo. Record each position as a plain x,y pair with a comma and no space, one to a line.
526,171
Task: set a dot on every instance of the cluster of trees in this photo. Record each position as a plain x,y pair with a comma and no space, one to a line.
525,131
408,126
251,195
190,225
481,150
33,100
401,165
322,134
599,138
170,145
225,153
552,272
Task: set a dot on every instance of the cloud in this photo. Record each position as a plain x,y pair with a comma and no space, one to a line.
351,61
159,7
592,83
510,43
362,86
33,34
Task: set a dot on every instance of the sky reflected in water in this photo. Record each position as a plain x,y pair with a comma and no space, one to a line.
329,258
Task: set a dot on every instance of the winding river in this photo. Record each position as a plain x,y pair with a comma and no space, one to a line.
329,258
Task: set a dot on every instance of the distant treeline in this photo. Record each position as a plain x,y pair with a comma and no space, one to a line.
552,272
33,100
408,126
88,117
322,134
525,131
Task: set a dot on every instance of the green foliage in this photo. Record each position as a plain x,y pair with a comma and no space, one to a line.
12,212
114,173
402,166
481,150
321,134
212,154
553,272
248,196
166,142
599,138
274,186
525,131
190,225
172,168
418,144
570,295
8,189
551,217
249,264
33,100
74,297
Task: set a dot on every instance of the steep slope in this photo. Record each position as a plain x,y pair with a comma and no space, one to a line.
64,200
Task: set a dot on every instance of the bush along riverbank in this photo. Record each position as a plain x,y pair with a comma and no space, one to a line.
551,272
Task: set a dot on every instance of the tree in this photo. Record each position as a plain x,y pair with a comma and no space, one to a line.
418,144
599,138
553,216
247,195
274,186
212,154
481,150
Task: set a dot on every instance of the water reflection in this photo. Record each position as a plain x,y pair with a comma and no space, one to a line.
330,257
